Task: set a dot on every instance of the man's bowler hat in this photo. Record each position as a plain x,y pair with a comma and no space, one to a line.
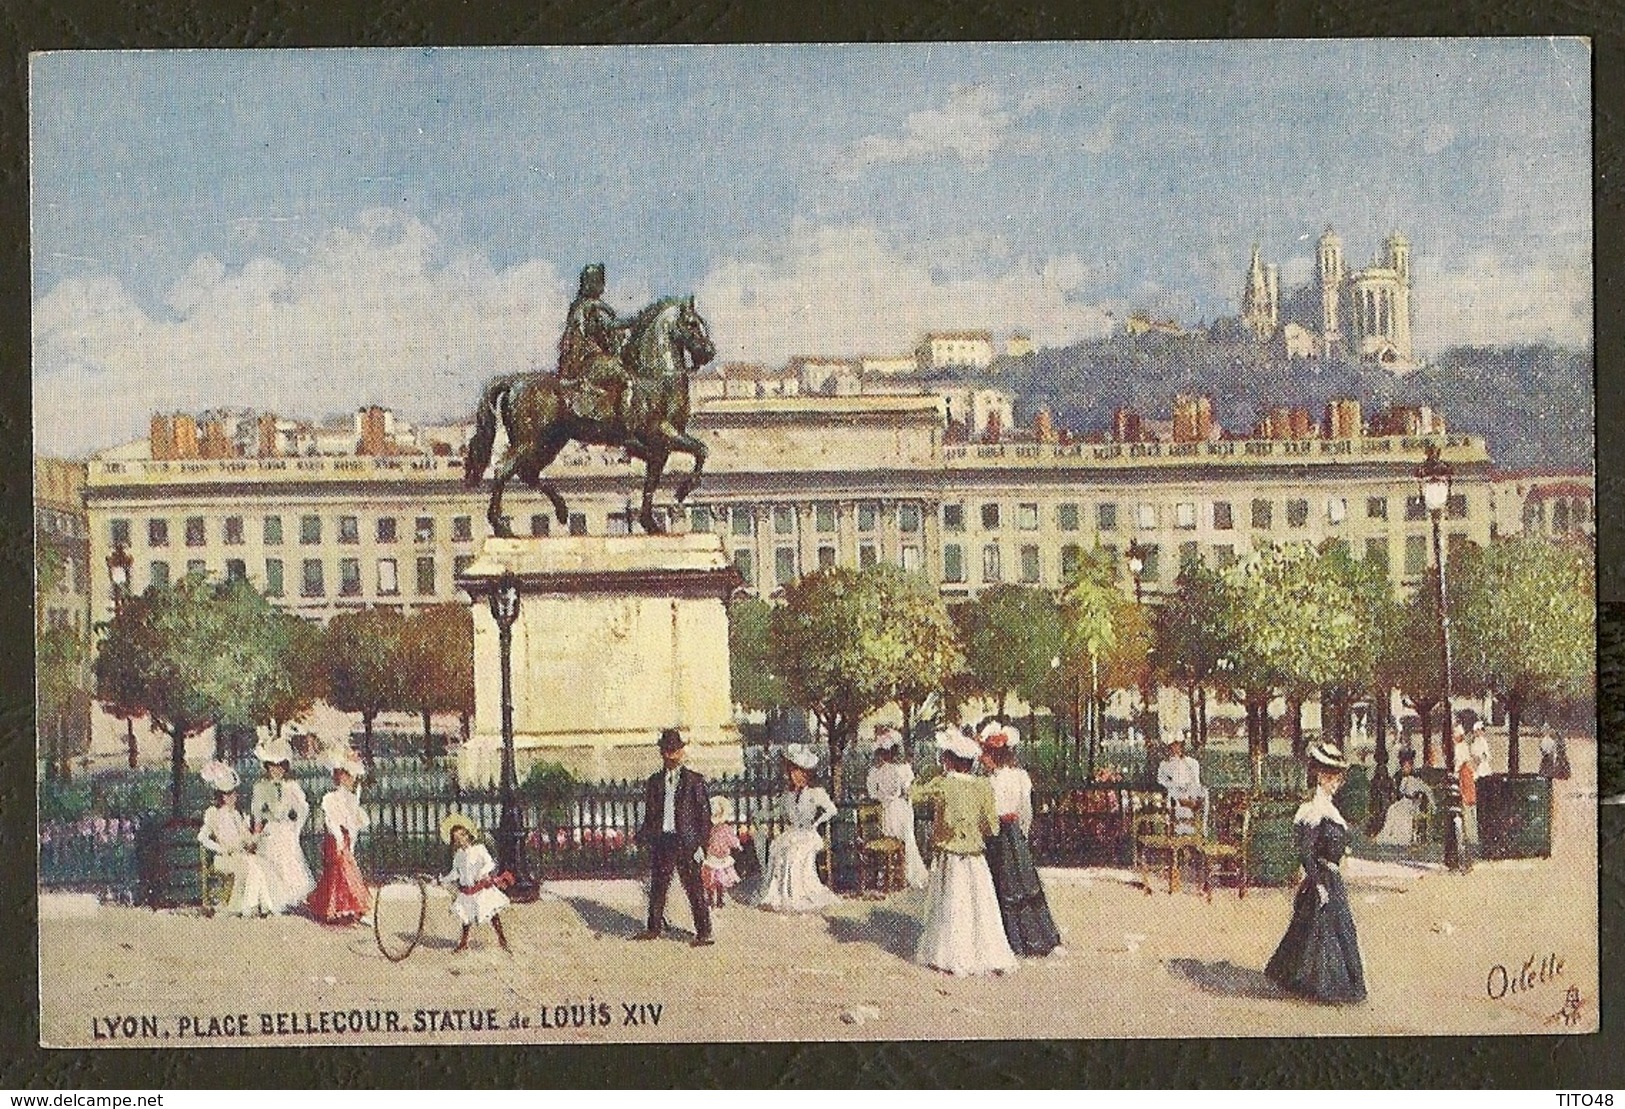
671,740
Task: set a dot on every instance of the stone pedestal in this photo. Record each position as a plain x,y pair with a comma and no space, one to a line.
616,638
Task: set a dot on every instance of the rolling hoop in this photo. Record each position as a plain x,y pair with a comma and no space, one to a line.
378,920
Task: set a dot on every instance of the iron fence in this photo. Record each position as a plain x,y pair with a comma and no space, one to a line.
90,828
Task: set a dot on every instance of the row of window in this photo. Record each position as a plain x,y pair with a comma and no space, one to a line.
1564,517
1030,558
1148,516
313,575
740,520
786,561
386,529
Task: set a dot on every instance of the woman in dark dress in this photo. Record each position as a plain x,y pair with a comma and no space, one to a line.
1022,905
1319,957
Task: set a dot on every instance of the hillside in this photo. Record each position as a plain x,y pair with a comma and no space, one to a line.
1533,403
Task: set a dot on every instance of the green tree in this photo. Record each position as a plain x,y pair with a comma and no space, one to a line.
1191,637
931,655
366,667
751,677
1524,614
437,660
839,651
299,679
1088,606
1010,635
179,655
1295,621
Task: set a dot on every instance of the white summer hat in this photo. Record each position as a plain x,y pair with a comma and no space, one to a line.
219,777
799,754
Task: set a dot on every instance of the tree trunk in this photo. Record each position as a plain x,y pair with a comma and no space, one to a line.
1258,737
1294,710
366,738
463,725
219,742
1424,716
1201,717
908,728
1195,736
177,772
1077,730
1514,706
1003,697
428,739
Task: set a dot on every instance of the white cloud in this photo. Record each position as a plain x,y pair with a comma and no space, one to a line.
382,311
971,127
844,291
1488,301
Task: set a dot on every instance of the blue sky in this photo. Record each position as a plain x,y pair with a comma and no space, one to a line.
313,230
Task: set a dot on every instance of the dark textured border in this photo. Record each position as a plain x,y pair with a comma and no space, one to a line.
1539,1062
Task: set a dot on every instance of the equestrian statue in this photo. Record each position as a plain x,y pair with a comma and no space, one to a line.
621,382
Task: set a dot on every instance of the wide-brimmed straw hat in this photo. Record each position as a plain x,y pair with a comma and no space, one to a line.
1000,736
347,761
457,820
274,750
887,737
954,741
799,754
219,777
1324,756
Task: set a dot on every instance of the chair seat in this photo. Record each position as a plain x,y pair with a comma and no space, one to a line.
883,844
1222,850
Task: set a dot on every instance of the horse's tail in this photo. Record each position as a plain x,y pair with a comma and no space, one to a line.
478,455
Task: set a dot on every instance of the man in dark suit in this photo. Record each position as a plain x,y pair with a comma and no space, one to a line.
676,826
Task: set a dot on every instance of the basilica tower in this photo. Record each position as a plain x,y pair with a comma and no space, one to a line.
1329,268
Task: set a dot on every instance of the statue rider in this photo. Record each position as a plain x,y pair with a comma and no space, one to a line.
590,349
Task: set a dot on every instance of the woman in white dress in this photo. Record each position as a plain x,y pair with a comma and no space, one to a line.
1414,798
792,884
230,843
279,812
474,876
964,929
889,780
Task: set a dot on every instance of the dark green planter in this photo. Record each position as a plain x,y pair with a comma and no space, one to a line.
1272,855
1354,799
843,851
1515,816
167,861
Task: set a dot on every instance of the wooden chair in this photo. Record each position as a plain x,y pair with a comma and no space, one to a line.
1225,853
1153,832
1422,821
880,857
215,888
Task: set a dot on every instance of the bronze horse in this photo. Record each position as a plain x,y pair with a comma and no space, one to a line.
650,419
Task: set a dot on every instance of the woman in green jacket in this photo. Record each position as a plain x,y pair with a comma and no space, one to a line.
964,931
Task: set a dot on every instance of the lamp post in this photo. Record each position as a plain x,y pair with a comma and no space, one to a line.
511,851
1136,567
1434,476
118,572
1137,556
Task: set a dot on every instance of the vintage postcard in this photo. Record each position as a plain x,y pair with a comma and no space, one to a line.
755,543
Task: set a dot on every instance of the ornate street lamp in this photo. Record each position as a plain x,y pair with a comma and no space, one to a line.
1136,567
1434,475
511,852
1137,556
118,572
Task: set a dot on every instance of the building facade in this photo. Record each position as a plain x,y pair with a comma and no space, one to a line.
792,484
62,537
